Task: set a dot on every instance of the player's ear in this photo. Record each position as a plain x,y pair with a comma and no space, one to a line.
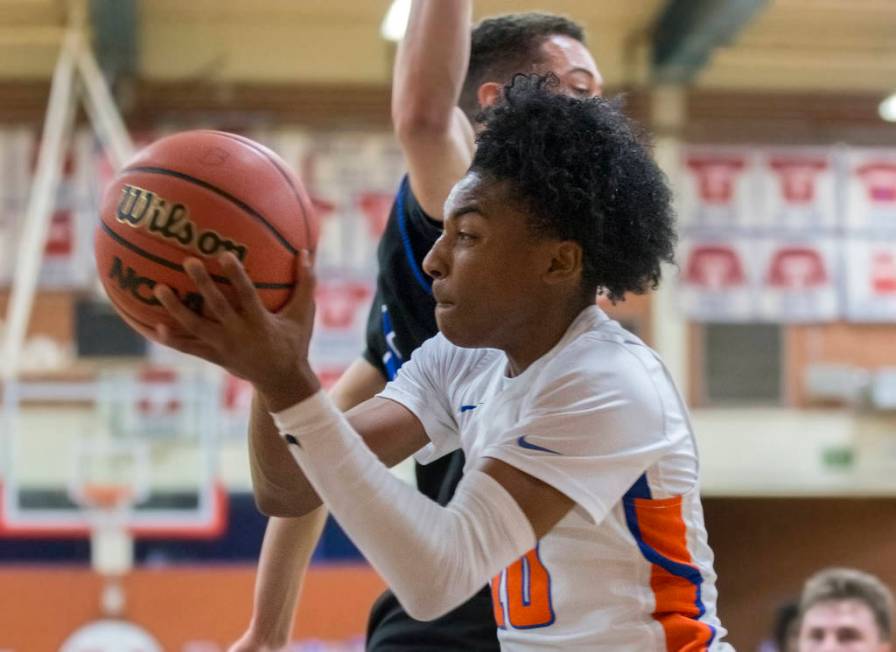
565,263
489,93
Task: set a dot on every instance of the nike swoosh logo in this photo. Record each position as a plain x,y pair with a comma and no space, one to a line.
467,408
521,440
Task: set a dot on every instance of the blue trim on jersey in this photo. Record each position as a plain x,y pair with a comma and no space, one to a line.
640,489
406,238
392,359
527,591
467,408
686,571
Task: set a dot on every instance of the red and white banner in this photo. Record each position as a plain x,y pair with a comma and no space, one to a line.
797,190
870,280
799,280
67,256
343,302
716,190
788,234
871,192
716,212
717,279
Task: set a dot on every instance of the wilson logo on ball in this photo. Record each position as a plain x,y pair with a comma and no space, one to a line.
144,209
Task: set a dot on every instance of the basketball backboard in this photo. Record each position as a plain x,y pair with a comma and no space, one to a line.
150,431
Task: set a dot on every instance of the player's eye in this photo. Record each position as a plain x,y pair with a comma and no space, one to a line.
848,635
465,236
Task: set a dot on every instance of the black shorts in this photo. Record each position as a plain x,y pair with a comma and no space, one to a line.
390,629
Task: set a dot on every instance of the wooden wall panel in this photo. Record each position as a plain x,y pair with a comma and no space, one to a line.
766,548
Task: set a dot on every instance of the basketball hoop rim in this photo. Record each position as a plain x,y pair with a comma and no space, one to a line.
104,495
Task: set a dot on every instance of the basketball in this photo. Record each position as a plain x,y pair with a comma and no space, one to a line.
200,193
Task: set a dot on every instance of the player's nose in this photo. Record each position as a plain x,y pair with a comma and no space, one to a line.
435,263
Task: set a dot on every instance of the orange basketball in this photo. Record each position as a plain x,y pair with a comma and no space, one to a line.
200,193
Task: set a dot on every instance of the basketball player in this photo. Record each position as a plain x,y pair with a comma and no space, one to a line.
438,67
580,494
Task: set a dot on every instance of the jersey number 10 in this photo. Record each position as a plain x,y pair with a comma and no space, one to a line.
527,589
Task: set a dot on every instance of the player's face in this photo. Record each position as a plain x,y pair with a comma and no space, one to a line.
840,626
573,65
486,267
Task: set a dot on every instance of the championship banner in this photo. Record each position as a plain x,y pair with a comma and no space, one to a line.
871,193
67,261
717,279
797,191
870,280
870,242
716,190
799,280
343,302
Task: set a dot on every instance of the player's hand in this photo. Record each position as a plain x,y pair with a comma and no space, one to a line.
268,349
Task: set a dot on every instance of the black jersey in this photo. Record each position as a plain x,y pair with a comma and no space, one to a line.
401,318
403,313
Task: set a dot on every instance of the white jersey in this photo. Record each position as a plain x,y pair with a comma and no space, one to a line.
599,419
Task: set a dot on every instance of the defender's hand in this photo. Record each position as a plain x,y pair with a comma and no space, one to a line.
268,349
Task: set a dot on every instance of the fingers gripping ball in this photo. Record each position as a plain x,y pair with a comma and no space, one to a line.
200,194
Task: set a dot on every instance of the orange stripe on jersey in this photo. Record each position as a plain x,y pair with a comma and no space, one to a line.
659,529
497,605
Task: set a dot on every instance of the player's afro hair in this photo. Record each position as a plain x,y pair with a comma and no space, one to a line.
579,169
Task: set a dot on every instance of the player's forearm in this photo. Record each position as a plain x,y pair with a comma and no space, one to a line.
285,554
433,557
431,65
279,485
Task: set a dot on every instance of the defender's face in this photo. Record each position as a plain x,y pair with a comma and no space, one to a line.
840,626
564,57
486,267
573,65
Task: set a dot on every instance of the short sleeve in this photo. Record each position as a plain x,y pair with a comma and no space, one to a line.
422,385
590,427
